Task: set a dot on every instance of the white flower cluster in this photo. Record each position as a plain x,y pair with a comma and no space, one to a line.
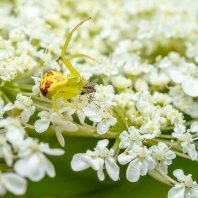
26,155
144,59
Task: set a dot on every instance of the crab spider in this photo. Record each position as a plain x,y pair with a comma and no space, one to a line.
55,85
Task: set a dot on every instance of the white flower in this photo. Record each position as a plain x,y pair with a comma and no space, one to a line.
161,98
102,117
5,108
14,130
163,156
123,99
173,115
25,46
145,29
107,66
140,160
33,164
23,63
97,160
134,67
35,88
13,183
43,123
121,82
185,74
190,85
127,46
128,139
47,58
6,151
150,129
185,140
7,71
16,35
145,107
182,72
107,121
7,50
192,50
60,125
105,94
23,107
141,85
186,187
194,127
158,78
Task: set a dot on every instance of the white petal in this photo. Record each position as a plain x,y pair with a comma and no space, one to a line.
124,135
30,167
194,127
8,107
154,148
54,118
112,168
170,155
14,183
81,117
112,121
60,138
7,153
125,158
68,126
100,174
41,125
36,170
176,76
192,151
149,136
176,192
163,168
15,135
95,163
77,164
151,164
133,171
124,143
102,144
48,166
194,191
143,167
190,86
21,168
162,146
2,189
55,152
179,173
103,127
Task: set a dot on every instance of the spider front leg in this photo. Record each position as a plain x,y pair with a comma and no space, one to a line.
73,71
66,93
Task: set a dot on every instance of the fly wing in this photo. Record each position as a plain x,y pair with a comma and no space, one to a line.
92,83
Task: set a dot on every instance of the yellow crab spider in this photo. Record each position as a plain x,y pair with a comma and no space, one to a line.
55,85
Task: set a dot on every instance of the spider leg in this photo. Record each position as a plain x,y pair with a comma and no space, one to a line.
67,63
66,93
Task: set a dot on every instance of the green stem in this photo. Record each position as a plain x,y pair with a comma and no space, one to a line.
28,125
22,86
116,144
41,107
166,136
5,97
183,155
166,176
